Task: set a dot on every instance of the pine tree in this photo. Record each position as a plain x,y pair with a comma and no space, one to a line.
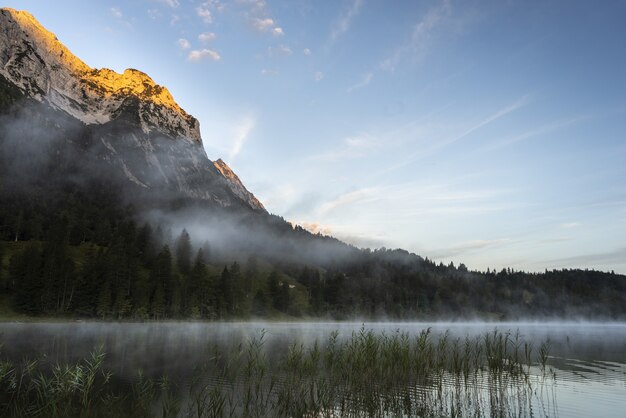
103,309
225,294
25,278
183,252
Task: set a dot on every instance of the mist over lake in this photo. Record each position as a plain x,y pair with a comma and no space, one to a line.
587,361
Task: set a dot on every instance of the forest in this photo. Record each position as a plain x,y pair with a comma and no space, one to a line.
82,254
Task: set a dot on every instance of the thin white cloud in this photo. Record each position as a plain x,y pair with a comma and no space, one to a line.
184,43
116,12
615,256
200,54
306,51
313,227
523,101
466,247
364,81
204,13
318,76
259,17
243,130
342,25
262,25
366,194
206,37
266,25
170,3
279,51
269,71
543,130
570,225
153,13
352,148
432,143
420,37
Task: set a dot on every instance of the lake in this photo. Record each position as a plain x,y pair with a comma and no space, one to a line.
586,363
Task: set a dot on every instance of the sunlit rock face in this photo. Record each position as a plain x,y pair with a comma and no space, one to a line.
131,124
40,65
236,185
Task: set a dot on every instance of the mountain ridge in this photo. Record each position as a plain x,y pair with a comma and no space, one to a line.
48,71
134,125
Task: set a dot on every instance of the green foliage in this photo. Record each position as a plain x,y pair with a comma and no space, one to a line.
365,374
84,255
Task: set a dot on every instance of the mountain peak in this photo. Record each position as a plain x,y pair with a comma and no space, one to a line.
36,61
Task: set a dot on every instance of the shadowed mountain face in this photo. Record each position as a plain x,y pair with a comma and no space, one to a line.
123,128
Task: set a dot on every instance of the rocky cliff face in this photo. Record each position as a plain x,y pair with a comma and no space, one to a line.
133,124
236,185
35,61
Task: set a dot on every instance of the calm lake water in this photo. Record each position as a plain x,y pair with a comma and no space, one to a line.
588,359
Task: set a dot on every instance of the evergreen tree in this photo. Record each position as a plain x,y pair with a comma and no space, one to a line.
225,294
162,280
25,278
183,252
103,309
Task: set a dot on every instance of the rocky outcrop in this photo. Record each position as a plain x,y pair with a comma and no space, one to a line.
133,128
43,68
236,185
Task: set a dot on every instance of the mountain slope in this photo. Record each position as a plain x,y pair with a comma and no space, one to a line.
127,127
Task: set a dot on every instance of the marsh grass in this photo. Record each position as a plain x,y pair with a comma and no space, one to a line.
366,374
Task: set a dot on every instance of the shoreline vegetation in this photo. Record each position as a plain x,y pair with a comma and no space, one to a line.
365,374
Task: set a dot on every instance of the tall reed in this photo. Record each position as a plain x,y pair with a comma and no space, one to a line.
365,374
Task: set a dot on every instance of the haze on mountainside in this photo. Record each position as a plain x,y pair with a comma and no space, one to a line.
86,155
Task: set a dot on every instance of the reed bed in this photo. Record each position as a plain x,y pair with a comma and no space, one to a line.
366,374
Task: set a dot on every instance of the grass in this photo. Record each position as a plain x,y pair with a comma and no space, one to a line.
364,375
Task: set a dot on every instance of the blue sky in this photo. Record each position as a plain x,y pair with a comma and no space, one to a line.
486,132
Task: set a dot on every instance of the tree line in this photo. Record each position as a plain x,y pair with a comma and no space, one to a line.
86,255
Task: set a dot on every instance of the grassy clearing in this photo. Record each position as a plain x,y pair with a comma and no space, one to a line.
364,375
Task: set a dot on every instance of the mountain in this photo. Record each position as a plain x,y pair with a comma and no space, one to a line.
122,127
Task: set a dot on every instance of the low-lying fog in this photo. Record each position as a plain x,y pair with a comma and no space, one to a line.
588,360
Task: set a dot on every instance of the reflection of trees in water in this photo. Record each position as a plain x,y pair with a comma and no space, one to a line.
365,373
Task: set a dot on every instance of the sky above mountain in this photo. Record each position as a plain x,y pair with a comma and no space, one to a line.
486,132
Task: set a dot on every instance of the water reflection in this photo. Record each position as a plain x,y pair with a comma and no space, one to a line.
588,360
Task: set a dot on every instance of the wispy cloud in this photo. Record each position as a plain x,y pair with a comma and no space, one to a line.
306,51
269,71
204,13
200,54
466,247
523,101
352,148
432,143
184,43
342,25
279,51
313,227
570,225
266,25
366,194
259,18
421,35
614,256
242,133
364,81
206,37
170,3
154,13
116,12
318,76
